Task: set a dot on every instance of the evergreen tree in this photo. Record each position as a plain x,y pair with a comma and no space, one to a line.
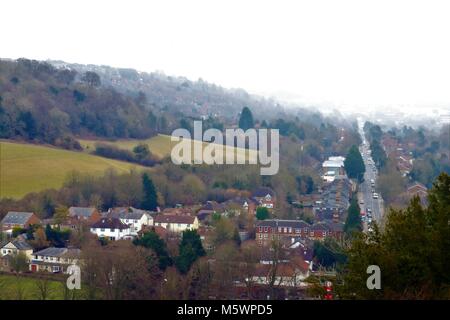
153,241
353,222
412,252
150,197
246,120
190,250
262,213
354,164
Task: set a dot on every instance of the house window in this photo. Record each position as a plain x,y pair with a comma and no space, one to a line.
55,268
260,229
290,230
260,236
324,233
112,230
297,230
102,229
280,230
112,238
266,229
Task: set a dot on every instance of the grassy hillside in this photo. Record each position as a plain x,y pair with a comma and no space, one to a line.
160,145
25,168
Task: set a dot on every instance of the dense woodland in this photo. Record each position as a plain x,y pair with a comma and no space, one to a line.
41,103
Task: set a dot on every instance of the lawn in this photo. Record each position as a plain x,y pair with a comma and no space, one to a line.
26,288
28,168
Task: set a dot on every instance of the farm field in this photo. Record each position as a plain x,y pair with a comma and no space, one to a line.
160,145
28,168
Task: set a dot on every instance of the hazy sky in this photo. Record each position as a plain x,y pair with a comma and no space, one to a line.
348,53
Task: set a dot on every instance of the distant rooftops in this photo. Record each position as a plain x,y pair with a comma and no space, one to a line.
81,212
15,217
333,163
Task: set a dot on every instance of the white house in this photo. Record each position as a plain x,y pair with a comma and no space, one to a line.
176,223
134,218
54,260
16,247
111,229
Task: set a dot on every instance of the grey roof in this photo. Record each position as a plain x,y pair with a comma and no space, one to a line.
58,252
81,212
283,223
109,223
263,191
328,225
127,213
14,217
22,245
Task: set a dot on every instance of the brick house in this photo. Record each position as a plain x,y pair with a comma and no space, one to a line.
85,214
268,230
14,219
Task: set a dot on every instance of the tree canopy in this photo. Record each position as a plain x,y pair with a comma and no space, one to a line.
412,251
150,201
246,119
354,164
262,213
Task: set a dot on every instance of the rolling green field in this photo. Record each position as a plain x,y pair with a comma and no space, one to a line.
28,168
25,288
160,145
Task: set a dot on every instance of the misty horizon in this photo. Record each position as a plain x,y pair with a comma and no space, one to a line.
347,56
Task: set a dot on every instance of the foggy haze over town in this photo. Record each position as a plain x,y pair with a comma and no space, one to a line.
346,56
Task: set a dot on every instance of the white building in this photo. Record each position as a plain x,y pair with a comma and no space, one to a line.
16,247
333,167
176,223
111,229
54,260
134,218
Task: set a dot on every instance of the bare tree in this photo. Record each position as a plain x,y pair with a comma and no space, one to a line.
249,257
42,284
276,258
226,270
200,279
121,270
